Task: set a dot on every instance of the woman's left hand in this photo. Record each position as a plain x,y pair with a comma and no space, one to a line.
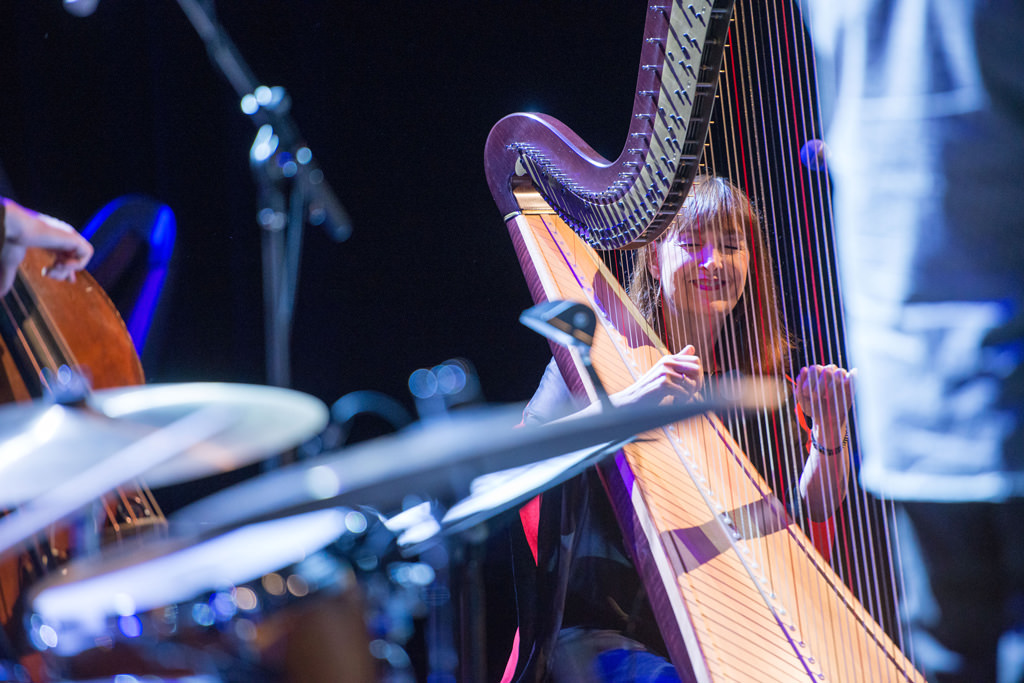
825,394
26,229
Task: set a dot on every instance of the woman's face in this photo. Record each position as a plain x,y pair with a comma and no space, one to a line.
703,269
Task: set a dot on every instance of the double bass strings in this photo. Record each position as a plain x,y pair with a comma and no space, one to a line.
39,344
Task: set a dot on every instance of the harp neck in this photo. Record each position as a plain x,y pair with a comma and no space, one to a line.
629,201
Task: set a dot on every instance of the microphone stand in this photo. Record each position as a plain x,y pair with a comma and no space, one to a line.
292,189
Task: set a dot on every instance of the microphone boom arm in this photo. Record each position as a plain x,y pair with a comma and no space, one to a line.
279,158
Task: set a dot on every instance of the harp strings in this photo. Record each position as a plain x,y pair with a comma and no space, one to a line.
758,118
764,117
745,150
766,111
763,112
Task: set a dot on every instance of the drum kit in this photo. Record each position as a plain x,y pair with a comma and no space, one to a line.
323,548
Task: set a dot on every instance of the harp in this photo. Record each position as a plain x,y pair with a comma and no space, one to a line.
739,589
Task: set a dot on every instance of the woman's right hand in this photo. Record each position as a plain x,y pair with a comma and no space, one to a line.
675,377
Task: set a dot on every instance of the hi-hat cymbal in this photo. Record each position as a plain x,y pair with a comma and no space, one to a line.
436,459
44,445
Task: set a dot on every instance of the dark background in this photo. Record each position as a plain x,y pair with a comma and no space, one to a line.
395,100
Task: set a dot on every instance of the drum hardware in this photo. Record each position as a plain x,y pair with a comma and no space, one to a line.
354,404
269,421
437,459
221,601
57,461
459,534
491,495
79,489
95,594
446,386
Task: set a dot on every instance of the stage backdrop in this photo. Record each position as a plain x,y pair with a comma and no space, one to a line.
394,100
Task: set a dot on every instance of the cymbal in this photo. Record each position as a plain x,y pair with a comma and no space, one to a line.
498,492
45,445
435,459
267,421
491,495
79,600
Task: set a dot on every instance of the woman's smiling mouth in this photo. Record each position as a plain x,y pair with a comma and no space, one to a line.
709,285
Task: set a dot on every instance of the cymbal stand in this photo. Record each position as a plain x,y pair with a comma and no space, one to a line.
292,188
455,599
570,324
471,598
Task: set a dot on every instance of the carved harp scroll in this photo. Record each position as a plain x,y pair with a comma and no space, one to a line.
739,591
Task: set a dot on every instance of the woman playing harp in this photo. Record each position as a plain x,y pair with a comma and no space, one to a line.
707,287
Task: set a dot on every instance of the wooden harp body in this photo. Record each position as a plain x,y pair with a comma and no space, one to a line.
738,589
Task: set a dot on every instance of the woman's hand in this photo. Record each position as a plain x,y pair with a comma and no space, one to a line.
675,377
26,228
825,394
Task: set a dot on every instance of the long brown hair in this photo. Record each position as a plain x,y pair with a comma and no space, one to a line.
756,341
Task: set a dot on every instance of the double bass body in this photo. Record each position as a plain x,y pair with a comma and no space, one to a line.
57,337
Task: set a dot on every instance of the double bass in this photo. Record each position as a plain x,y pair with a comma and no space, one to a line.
739,589
52,334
